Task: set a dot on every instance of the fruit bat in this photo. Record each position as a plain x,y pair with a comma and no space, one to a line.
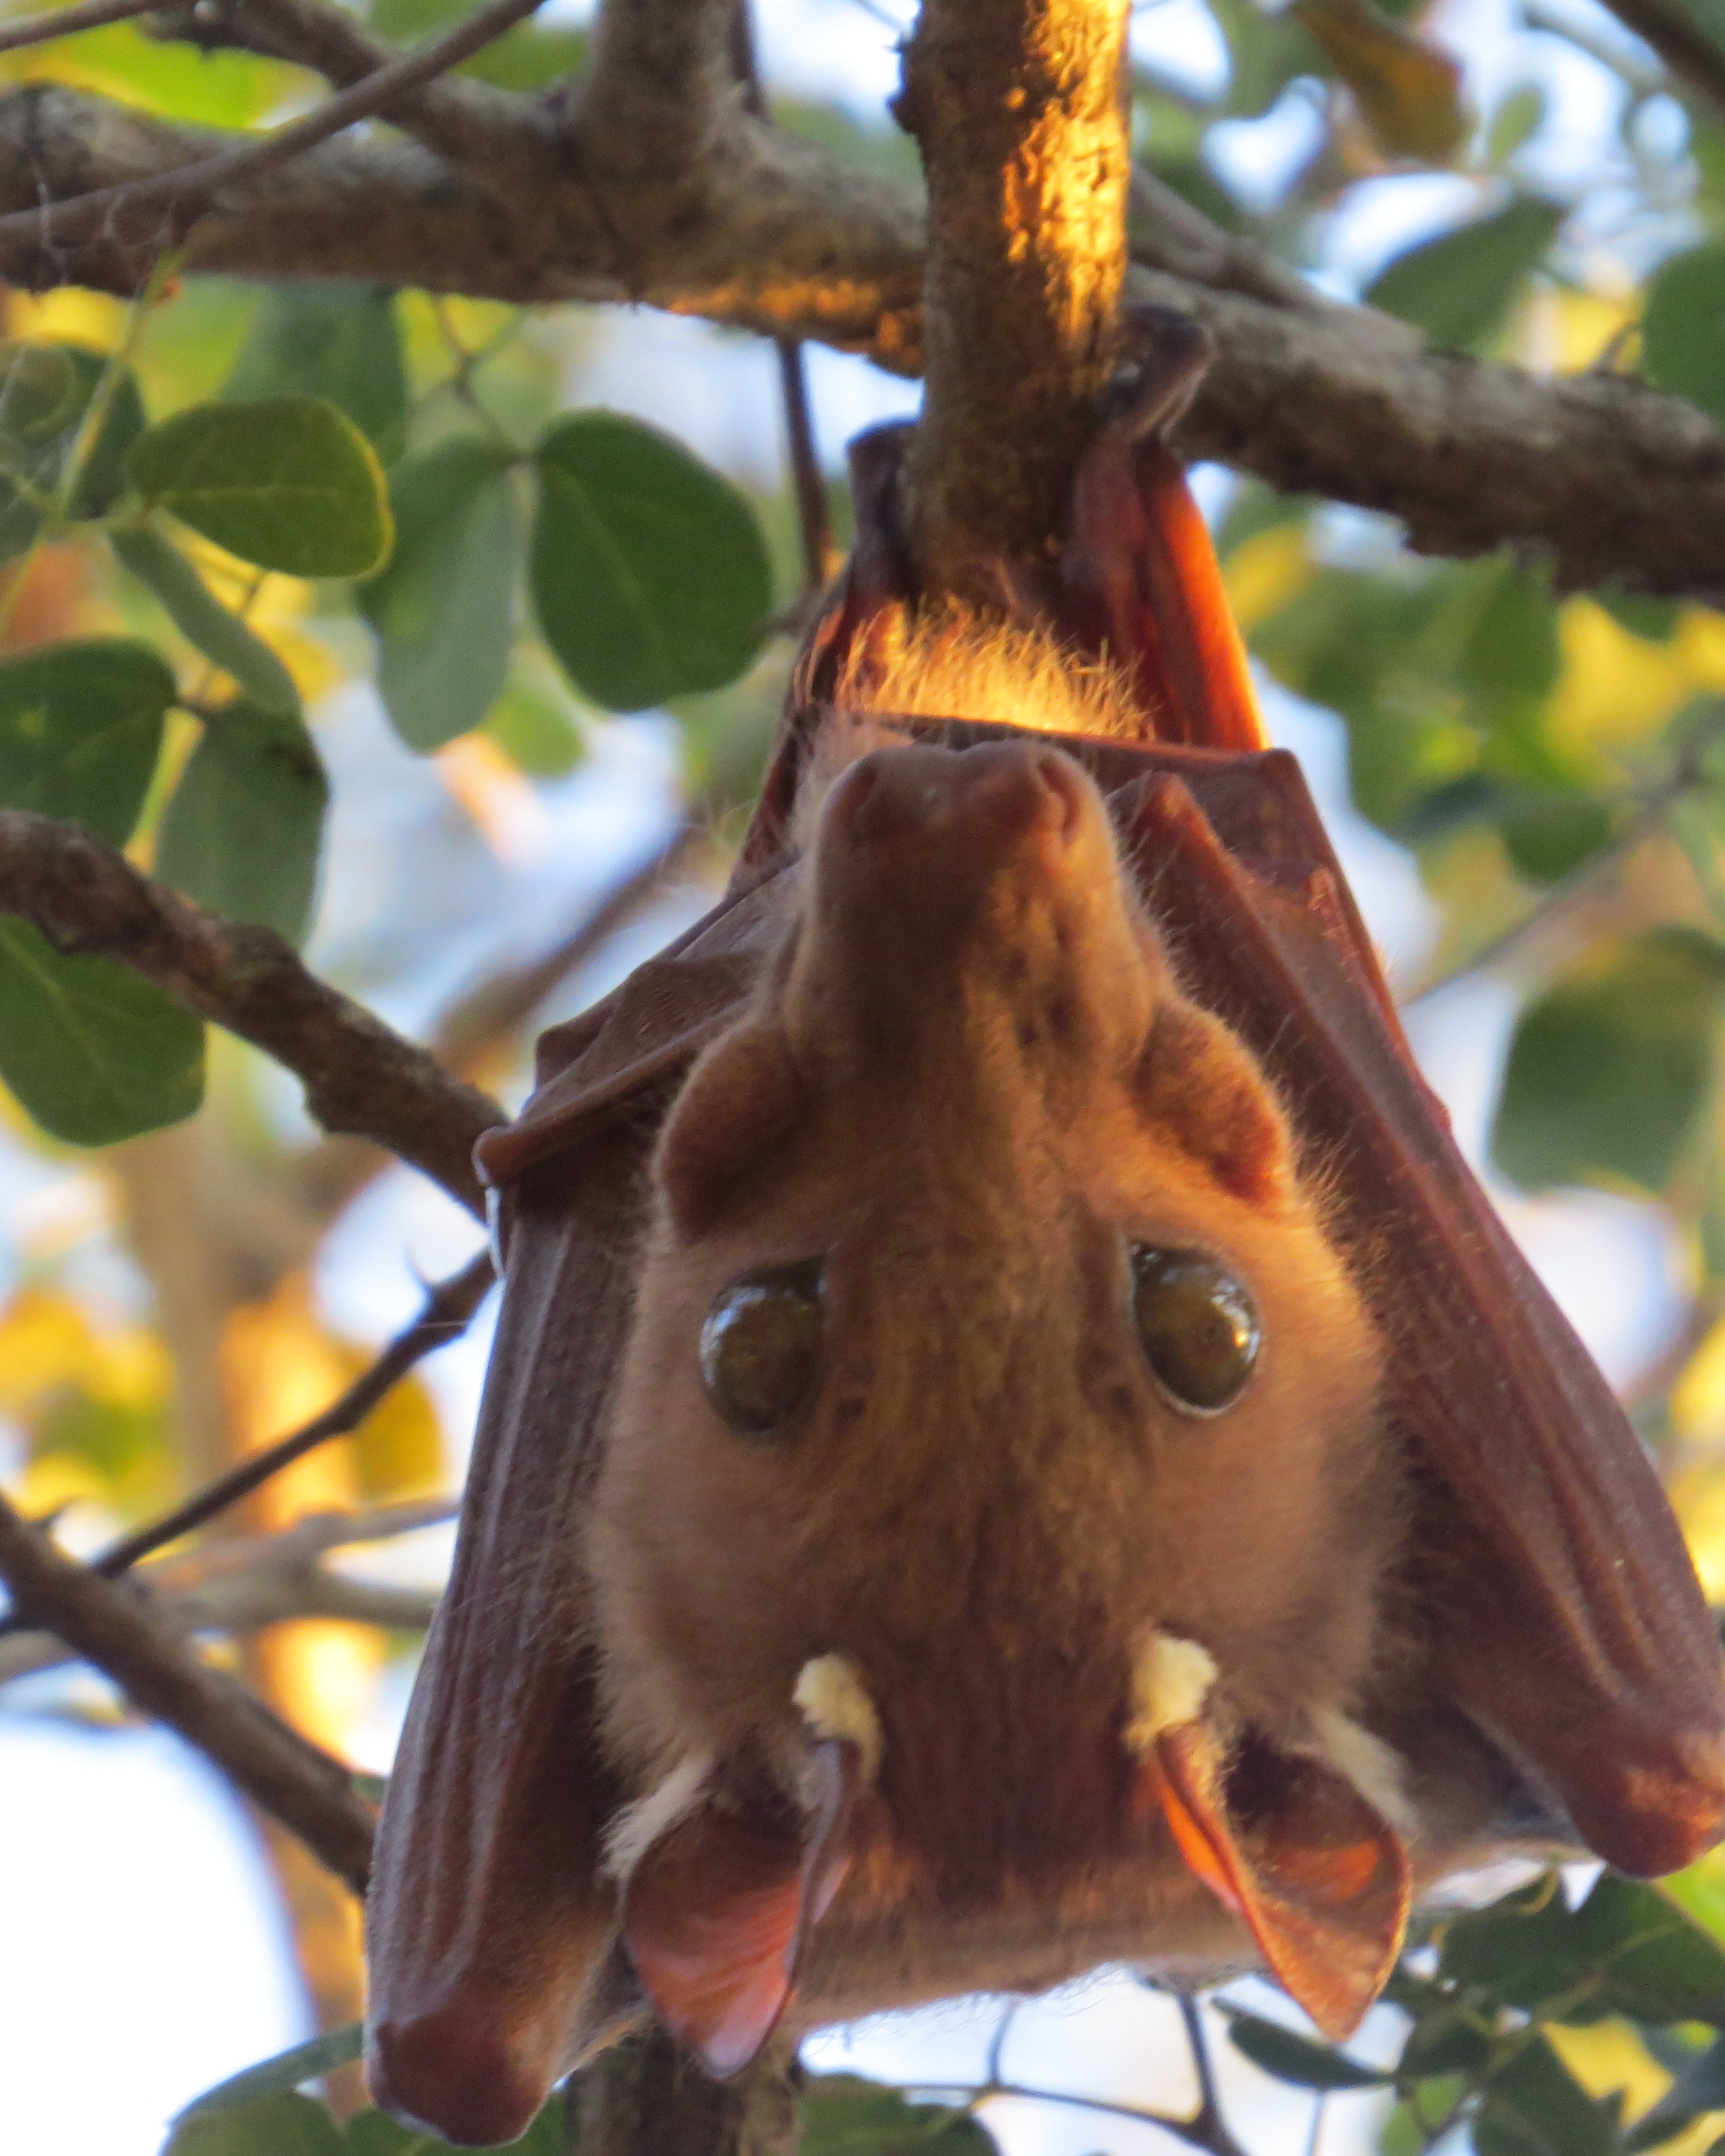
1014,1441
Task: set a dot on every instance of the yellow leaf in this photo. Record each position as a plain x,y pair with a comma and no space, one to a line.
1616,687
55,1479
1267,572
1698,1402
69,315
1697,1496
1409,93
1607,2058
399,1449
45,1341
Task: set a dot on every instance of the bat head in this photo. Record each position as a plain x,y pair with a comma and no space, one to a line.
994,1487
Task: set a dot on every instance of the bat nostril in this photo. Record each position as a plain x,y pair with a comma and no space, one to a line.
1023,791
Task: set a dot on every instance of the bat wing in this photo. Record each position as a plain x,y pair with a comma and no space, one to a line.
490,1923
1559,1605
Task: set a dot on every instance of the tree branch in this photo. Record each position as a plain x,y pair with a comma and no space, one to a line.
476,124
181,195
1608,478
311,1792
243,1584
1018,112
359,1076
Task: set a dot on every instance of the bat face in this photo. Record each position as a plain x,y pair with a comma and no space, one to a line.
988,1353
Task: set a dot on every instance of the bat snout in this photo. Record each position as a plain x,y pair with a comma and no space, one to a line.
971,802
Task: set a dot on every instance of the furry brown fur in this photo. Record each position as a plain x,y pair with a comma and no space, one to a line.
968,1084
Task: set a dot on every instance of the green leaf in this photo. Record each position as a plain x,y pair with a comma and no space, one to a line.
845,2116
533,728
443,610
1654,621
1449,2041
289,483
1458,287
93,1052
1699,2089
1549,830
1522,1951
45,390
1660,1965
309,2062
202,620
1513,648
334,338
1535,2106
1292,2057
650,575
279,2126
80,729
1608,1071
1683,328
1516,121
245,827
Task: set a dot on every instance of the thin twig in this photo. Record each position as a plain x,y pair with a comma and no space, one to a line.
813,518
286,1776
189,189
496,1009
61,22
244,1583
449,1306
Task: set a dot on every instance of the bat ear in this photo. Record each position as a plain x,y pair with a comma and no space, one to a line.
739,1105
716,1909
1321,1879
1195,1079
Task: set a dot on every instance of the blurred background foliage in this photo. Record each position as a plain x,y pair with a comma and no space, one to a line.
358,613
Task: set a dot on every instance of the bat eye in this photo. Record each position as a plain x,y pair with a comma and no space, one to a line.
1198,1326
760,1346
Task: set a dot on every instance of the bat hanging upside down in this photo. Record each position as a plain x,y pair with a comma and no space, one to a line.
1014,1442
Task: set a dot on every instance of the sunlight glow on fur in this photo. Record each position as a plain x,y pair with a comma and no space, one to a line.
953,663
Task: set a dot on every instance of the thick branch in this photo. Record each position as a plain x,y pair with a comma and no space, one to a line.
1605,476
1023,131
359,1076
311,1793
